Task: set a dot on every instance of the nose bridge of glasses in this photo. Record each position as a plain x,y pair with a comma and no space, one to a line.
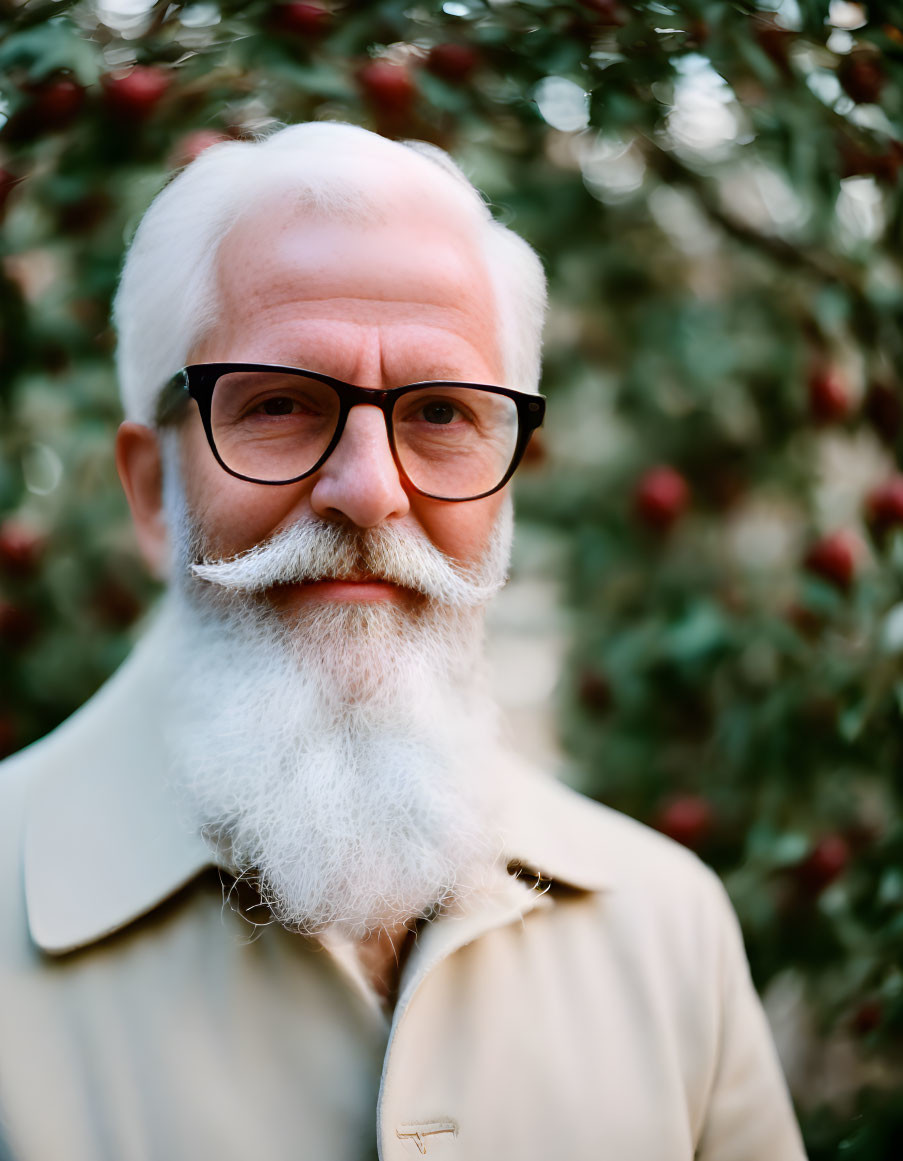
351,398
355,396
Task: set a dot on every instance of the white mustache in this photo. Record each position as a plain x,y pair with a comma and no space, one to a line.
313,550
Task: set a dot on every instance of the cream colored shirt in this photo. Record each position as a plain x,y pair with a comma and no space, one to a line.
595,1005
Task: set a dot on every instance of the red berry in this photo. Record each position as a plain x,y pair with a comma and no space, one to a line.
452,62
190,147
50,105
688,819
55,103
825,863
297,18
829,397
884,506
835,558
388,87
133,96
661,497
862,76
20,548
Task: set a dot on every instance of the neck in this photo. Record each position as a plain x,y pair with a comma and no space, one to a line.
382,957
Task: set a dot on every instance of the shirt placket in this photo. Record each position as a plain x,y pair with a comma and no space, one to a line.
402,1133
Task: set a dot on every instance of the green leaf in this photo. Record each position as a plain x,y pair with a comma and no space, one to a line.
49,48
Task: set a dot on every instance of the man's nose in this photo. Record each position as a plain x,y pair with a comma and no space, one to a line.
360,480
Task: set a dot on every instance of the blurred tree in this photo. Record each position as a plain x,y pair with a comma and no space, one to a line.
715,189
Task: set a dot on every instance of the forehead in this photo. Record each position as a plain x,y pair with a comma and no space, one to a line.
410,261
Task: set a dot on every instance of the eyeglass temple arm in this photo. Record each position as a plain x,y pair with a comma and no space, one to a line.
536,410
172,399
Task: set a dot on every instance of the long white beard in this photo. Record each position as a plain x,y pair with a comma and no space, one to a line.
345,759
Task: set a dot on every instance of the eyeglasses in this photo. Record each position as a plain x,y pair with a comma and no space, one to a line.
277,425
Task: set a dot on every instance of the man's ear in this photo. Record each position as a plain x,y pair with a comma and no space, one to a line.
140,467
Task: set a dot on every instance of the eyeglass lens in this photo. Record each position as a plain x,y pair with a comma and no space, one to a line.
452,442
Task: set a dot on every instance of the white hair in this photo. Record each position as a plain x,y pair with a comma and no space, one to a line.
167,294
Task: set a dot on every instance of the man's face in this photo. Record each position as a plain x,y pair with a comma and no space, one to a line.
379,305
345,752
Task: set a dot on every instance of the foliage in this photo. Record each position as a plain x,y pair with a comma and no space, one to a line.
714,188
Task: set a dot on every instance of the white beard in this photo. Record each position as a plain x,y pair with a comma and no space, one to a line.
345,759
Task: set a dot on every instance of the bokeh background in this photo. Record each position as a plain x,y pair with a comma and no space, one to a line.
714,188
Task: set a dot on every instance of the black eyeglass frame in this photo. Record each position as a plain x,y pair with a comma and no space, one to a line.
198,380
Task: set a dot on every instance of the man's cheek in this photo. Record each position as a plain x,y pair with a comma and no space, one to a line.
463,531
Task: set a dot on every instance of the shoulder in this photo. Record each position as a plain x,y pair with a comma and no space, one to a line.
659,929
571,837
57,795
641,861
16,778
18,774
639,891
21,773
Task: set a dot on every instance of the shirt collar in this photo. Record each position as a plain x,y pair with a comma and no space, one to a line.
106,839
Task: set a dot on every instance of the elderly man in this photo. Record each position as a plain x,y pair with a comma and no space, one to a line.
329,360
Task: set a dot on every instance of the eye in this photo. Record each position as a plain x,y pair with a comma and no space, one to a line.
278,405
439,412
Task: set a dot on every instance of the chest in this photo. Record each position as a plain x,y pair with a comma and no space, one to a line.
542,1041
536,1040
